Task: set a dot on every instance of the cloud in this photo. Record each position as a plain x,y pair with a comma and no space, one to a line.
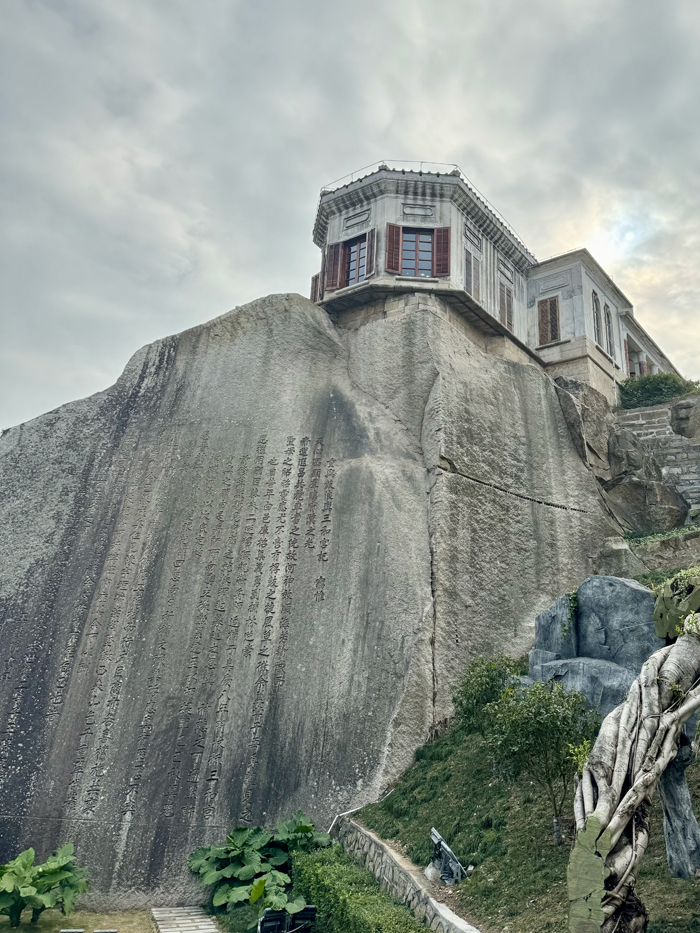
161,162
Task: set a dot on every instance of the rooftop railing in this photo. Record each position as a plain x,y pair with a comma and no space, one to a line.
420,168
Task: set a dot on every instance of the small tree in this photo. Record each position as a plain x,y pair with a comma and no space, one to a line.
252,866
56,883
534,731
483,682
655,389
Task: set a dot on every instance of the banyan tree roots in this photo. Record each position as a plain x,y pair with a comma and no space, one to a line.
636,743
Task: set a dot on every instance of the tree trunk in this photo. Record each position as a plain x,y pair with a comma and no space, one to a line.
635,746
681,830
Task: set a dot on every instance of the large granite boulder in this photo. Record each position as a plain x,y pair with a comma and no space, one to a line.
599,648
603,683
685,417
636,492
246,577
615,622
591,421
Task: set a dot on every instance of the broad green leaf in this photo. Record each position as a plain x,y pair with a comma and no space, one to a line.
27,890
278,902
238,837
6,899
257,890
293,907
241,893
279,877
278,859
228,871
248,872
211,876
66,851
221,895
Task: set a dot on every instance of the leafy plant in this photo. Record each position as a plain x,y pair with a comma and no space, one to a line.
532,732
252,866
55,883
655,389
483,682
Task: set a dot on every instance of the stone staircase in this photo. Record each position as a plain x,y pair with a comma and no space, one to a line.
678,457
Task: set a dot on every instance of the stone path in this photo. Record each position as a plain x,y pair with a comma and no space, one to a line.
183,920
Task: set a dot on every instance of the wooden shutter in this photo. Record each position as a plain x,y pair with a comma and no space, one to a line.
553,319
441,262
314,287
468,281
627,359
502,303
371,254
543,308
476,283
393,248
509,308
333,270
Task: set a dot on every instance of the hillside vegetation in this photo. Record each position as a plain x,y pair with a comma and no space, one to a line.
504,830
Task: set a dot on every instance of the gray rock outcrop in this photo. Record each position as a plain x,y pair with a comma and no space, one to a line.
599,649
630,476
246,577
685,417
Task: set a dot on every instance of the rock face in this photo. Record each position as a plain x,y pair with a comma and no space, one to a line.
599,649
685,417
669,553
246,577
628,472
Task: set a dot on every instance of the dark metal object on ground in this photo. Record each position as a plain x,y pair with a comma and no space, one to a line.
279,921
451,872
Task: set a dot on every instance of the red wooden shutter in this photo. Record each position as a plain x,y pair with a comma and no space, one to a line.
509,308
476,284
553,319
314,287
627,359
468,281
393,248
333,256
371,252
442,251
543,308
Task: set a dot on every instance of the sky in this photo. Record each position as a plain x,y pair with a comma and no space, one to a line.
161,160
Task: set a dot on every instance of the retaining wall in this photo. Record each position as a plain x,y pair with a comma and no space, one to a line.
399,877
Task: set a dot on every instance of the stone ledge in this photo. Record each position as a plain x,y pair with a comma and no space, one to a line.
399,877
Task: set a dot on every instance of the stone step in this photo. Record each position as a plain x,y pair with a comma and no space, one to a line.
183,920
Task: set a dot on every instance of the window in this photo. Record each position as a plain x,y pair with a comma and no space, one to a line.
350,262
418,252
315,282
609,342
505,305
549,320
597,331
472,276
355,253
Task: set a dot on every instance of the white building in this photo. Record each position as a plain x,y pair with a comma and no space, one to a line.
396,232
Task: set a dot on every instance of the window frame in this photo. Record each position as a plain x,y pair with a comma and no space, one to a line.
347,247
597,323
441,250
607,326
545,323
418,232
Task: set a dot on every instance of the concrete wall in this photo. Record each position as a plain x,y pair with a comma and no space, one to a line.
399,877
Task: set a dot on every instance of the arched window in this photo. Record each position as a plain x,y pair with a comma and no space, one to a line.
609,342
597,329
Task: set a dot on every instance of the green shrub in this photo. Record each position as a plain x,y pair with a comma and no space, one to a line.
348,898
653,390
483,682
251,867
533,732
56,883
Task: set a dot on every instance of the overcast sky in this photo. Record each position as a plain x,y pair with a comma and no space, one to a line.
160,160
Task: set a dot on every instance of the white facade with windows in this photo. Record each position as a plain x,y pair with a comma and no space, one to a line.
398,231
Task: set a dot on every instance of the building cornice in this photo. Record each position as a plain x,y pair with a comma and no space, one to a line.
633,325
424,186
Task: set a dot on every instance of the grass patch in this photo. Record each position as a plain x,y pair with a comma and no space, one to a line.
348,897
643,537
51,921
505,831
